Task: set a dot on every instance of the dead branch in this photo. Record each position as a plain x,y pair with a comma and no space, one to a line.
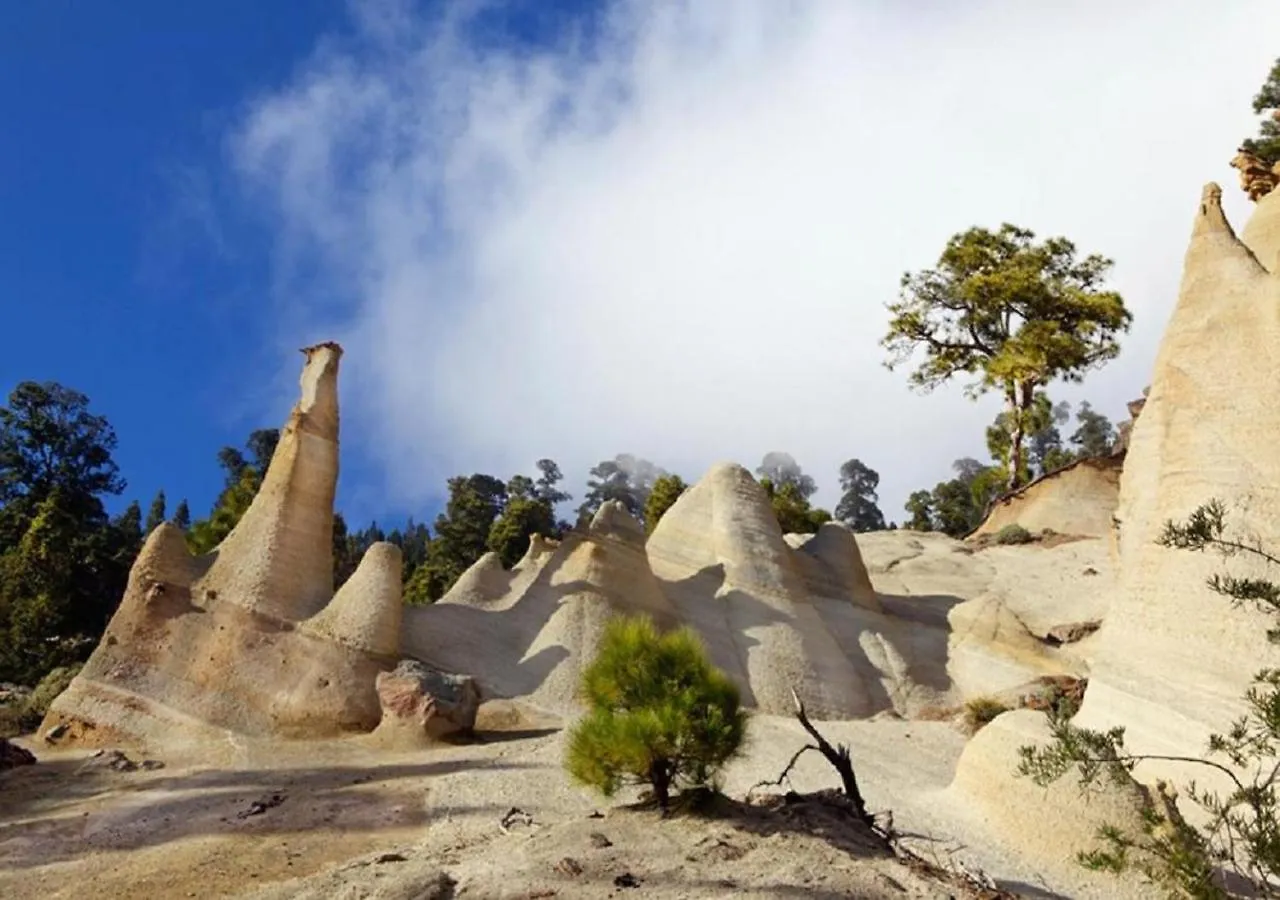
786,773
839,758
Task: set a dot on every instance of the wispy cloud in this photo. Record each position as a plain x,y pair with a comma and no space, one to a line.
676,238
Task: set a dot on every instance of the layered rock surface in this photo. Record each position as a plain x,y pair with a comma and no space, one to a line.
1079,499
1173,659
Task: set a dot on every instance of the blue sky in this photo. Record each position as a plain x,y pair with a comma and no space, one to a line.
671,233
126,269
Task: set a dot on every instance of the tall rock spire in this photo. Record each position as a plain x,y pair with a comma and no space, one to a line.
278,560
1173,659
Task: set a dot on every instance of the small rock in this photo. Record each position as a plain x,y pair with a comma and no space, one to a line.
11,756
569,866
515,816
108,759
599,841
626,880
426,699
1071,632
258,807
152,764
391,857
56,732
1090,570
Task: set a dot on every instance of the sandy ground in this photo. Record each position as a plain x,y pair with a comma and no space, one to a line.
355,821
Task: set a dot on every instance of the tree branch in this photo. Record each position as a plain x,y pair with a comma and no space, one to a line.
839,759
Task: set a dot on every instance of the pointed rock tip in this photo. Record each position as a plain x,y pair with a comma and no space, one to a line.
366,612
1211,196
728,470
333,346
613,520
165,554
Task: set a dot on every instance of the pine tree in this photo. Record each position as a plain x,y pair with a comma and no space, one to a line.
155,514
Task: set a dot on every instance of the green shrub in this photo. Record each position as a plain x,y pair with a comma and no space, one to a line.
1014,534
24,716
48,690
980,711
660,713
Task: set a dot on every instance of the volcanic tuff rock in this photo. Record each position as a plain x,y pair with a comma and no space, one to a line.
1172,659
249,638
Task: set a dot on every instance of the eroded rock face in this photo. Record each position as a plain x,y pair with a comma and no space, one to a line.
424,703
1257,178
250,638
1173,659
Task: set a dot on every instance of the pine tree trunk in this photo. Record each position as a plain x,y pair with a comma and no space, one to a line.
660,778
1020,397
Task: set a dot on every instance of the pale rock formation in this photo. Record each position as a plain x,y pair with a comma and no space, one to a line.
1078,499
279,558
1125,429
537,625
1172,659
1046,825
722,559
421,705
241,640
365,614
832,566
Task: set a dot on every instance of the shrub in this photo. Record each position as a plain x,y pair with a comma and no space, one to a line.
1014,534
980,711
47,691
660,713
24,715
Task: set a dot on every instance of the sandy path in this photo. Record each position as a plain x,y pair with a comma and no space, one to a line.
178,831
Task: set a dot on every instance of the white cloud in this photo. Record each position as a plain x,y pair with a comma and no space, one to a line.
678,240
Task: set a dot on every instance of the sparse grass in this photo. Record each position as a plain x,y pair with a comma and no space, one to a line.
938,713
1014,534
980,711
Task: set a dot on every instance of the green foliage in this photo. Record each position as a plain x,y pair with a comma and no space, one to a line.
981,711
1266,146
782,470
1045,452
625,478
155,514
522,518
792,509
958,506
182,515
50,440
243,477
858,507
920,507
1096,437
666,491
1014,534
233,503
63,563
660,713
24,716
1241,833
1015,313
461,532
